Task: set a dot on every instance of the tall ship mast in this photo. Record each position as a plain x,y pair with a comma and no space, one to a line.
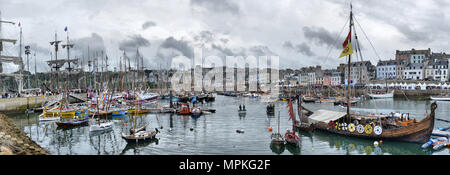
11,59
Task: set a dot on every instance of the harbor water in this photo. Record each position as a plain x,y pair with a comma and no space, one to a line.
216,133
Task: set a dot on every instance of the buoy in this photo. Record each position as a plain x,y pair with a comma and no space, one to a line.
192,129
270,128
381,141
161,127
240,131
375,143
312,149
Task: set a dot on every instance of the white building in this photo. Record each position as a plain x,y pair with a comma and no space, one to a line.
414,71
440,70
386,70
336,78
417,58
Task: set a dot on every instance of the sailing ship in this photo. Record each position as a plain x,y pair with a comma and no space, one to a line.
277,138
290,137
387,127
140,134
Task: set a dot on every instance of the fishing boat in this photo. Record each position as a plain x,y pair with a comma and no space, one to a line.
371,126
185,110
139,111
43,118
303,113
73,123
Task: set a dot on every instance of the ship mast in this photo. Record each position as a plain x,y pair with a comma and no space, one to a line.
349,66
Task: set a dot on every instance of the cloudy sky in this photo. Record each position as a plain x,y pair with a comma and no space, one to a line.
301,33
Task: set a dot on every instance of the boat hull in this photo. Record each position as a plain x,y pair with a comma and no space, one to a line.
378,96
419,132
440,98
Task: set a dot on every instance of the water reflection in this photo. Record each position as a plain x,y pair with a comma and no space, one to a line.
216,133
277,148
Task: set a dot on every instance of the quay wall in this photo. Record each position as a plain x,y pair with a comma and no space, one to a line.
18,104
14,141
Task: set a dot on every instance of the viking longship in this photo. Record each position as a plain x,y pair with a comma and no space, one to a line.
385,127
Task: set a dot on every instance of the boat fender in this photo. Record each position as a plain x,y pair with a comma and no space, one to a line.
428,144
360,128
377,130
344,126
375,143
368,129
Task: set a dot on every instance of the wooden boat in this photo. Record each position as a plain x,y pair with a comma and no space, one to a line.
277,138
140,136
344,103
65,113
303,113
139,111
44,118
73,123
371,127
380,128
290,137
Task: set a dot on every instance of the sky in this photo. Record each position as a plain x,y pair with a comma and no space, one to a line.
301,32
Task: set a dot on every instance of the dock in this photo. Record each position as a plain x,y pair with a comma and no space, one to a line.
440,133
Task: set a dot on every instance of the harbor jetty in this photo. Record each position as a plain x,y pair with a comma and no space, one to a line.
14,141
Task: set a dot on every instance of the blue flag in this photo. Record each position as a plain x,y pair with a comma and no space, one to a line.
65,29
194,99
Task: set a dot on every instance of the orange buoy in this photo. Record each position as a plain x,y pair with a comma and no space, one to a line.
270,128
381,141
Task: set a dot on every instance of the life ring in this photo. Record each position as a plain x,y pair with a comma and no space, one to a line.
351,127
344,126
360,128
368,129
378,130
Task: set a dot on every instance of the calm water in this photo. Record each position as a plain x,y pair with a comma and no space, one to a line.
216,133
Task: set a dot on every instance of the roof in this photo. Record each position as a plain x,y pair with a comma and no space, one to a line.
387,63
325,116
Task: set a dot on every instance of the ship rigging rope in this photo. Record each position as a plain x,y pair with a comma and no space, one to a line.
335,41
370,42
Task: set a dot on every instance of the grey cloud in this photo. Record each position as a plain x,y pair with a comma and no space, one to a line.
305,49
95,43
288,45
321,36
180,45
217,5
133,42
148,24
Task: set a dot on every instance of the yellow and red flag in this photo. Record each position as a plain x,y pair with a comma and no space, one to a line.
347,45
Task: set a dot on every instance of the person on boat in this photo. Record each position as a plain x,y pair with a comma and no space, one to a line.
240,108
243,107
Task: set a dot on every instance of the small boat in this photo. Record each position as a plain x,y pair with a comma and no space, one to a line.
309,99
65,113
270,109
277,138
196,112
440,98
382,95
139,111
119,112
45,119
185,110
101,126
140,136
291,138
73,123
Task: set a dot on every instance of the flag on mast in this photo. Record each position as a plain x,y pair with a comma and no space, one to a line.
65,29
347,45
